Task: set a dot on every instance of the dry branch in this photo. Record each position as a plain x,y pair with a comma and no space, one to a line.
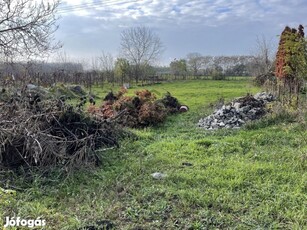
45,134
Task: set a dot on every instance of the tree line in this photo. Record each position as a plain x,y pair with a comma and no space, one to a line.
198,65
27,31
108,69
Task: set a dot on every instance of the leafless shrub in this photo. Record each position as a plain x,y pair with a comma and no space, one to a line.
45,133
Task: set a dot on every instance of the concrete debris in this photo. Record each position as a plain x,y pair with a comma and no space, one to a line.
238,112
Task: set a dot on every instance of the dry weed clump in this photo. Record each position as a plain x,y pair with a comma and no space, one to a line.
142,109
45,133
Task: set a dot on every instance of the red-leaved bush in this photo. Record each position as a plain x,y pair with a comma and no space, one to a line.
142,109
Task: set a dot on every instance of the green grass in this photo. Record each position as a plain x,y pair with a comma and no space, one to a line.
253,178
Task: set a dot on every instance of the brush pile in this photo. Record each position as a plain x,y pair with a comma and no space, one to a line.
40,133
142,109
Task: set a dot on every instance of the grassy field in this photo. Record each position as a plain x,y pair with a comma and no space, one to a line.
253,178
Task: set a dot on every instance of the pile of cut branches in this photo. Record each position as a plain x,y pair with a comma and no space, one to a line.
142,109
42,133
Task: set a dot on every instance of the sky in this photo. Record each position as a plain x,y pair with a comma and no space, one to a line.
221,27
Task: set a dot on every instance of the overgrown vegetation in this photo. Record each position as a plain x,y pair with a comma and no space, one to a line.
253,178
45,133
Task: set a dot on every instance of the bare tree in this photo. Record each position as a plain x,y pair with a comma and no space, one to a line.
263,57
27,27
95,64
107,64
194,62
141,46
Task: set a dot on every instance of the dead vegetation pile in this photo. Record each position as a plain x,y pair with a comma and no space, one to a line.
43,133
142,109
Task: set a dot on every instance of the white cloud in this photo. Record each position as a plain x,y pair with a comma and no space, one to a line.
76,2
184,12
207,21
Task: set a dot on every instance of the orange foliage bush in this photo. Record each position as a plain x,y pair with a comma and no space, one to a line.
152,113
146,95
143,109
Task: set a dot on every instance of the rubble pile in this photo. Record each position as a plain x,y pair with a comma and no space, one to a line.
238,112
